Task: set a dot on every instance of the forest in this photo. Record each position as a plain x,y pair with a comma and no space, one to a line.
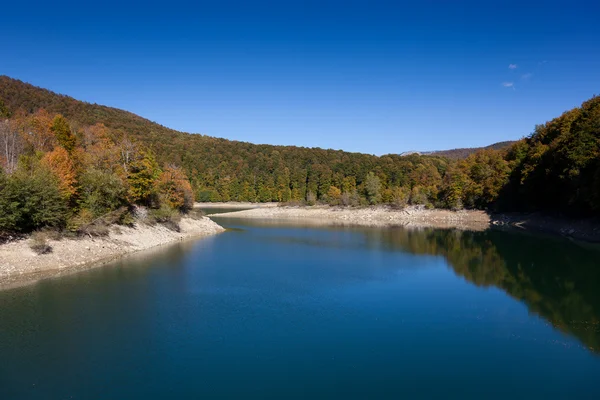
92,160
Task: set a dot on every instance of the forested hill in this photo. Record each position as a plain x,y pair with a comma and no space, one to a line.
555,169
225,170
458,154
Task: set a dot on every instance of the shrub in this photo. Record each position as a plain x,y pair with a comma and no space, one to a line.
101,192
84,222
166,216
30,198
39,243
291,203
195,214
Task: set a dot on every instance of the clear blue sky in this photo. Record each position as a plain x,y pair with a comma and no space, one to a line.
369,76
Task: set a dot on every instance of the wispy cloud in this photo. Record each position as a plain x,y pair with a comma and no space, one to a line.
526,76
509,85
512,66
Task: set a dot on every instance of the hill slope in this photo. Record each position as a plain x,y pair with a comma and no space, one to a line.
225,170
457,154
556,169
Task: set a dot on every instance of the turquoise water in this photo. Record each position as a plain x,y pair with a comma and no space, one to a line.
275,311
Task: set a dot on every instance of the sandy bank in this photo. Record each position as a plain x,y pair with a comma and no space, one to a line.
20,265
370,216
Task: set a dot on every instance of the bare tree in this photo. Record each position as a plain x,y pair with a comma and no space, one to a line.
11,144
128,150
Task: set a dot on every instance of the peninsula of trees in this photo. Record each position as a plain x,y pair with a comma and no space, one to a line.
65,162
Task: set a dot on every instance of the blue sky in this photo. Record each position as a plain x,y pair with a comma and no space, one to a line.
375,77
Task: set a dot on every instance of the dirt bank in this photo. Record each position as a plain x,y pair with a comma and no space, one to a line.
20,265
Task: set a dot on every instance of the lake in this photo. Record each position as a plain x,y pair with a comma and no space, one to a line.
281,311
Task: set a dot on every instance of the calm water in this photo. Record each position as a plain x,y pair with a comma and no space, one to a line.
297,312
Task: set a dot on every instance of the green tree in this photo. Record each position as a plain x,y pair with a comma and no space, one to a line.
62,131
373,188
4,112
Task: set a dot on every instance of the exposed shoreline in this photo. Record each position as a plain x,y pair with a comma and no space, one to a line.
235,204
417,217
19,265
369,216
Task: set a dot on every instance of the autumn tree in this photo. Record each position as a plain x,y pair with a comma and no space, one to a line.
175,189
142,178
334,196
59,162
38,131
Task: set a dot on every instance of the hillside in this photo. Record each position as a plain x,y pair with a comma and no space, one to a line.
223,170
462,153
458,154
556,169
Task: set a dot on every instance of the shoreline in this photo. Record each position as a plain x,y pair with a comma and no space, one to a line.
20,266
235,204
419,217
375,216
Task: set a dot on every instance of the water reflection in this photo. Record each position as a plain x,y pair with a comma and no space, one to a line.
557,280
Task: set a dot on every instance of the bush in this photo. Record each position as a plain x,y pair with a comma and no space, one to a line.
166,216
84,222
195,214
30,198
39,243
291,203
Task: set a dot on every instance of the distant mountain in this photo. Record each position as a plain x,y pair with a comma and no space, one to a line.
457,154
462,153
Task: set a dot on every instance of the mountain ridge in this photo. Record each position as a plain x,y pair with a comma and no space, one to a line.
75,109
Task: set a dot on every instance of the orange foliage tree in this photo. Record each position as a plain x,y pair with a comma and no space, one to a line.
59,162
175,188
38,131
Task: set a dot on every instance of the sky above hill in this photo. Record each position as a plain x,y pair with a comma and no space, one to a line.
370,76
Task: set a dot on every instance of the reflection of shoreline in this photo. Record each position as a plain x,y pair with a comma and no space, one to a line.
556,279
19,266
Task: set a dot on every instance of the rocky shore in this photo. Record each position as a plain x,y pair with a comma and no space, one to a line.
19,264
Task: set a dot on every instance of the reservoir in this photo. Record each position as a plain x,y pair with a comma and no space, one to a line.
287,311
